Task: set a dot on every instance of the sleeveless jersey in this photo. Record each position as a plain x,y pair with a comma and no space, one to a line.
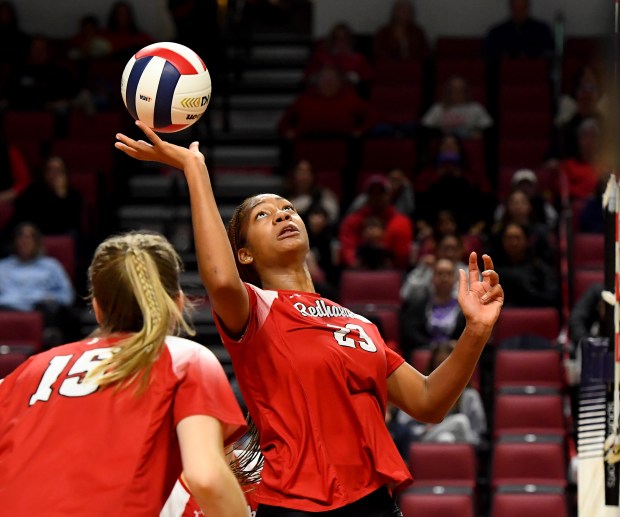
313,375
68,447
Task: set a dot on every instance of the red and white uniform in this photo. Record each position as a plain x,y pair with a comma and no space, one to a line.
313,375
70,448
182,504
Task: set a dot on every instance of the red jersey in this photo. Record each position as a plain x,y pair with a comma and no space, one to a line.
313,375
182,504
70,448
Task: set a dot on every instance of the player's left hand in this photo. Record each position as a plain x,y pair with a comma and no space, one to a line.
480,300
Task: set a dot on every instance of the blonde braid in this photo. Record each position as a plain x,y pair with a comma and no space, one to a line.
154,310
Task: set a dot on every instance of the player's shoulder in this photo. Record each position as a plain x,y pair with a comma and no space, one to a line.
185,352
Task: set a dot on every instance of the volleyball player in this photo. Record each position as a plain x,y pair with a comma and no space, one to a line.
316,377
103,426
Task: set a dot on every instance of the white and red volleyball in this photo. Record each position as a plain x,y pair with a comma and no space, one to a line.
167,86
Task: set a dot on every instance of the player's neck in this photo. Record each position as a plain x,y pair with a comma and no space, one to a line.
288,279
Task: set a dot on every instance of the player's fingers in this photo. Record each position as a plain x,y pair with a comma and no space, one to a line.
463,286
194,146
145,144
488,262
495,294
129,142
490,277
125,148
474,272
151,135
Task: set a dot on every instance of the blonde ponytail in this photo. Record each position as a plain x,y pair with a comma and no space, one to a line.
155,305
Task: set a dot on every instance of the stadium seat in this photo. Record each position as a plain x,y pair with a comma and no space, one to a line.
388,319
458,48
86,155
322,154
397,103
584,279
524,71
379,288
429,466
525,98
384,153
29,125
529,413
529,504
87,183
62,248
398,72
330,179
10,361
102,125
540,321
523,462
429,504
525,124
21,331
589,251
528,368
525,152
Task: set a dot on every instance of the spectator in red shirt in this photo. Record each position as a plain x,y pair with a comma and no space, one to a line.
397,231
329,108
583,172
402,38
338,50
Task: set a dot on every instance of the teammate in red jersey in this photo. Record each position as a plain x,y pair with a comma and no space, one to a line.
316,377
105,425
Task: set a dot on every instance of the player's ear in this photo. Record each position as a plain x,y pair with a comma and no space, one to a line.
244,256
97,311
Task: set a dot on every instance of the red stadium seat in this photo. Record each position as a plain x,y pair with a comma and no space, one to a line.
589,251
397,103
583,48
322,154
21,330
524,71
528,504
525,124
523,413
29,125
398,72
525,98
428,504
520,463
30,150
584,279
458,48
88,185
386,153
6,212
379,288
103,125
330,179
10,361
528,368
539,321
429,466
86,155
62,248
523,152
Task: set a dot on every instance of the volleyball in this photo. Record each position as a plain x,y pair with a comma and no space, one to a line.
166,86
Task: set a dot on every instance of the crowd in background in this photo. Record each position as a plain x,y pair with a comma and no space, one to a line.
422,220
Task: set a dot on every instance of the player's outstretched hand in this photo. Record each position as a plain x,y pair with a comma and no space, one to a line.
157,150
480,301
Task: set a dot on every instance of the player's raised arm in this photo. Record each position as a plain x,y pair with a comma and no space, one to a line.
216,262
431,398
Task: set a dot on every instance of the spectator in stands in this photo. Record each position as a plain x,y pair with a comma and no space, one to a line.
51,204
123,32
401,194
520,35
30,281
402,38
518,209
305,192
329,108
450,247
371,253
322,236
444,224
448,187
586,100
526,181
530,281
397,233
466,422
89,42
592,216
432,315
584,171
41,82
338,50
457,113
587,317
14,43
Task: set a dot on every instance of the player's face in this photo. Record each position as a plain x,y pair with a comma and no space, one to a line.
274,228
